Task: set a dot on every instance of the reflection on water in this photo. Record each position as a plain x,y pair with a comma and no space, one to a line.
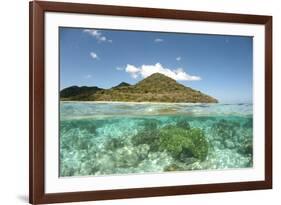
124,138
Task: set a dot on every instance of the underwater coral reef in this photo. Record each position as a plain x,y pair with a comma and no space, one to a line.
125,144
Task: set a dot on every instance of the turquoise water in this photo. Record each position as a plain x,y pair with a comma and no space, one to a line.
123,138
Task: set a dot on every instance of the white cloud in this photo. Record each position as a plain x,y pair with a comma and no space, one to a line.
97,35
87,76
158,40
147,70
134,71
119,68
178,58
94,55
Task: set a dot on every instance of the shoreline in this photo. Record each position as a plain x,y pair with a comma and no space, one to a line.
122,102
151,103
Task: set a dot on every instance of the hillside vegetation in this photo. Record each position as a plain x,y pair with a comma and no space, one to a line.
155,88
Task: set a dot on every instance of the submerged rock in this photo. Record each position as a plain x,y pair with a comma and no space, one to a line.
126,157
150,124
149,135
246,147
155,162
187,159
113,143
234,136
229,144
226,132
142,151
173,167
183,123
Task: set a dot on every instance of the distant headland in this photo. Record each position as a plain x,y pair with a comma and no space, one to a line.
155,88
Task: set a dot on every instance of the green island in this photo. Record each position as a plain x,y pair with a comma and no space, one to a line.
155,88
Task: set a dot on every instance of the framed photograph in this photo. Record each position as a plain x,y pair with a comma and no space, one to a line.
139,102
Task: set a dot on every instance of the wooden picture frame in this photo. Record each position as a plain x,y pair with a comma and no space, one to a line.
37,173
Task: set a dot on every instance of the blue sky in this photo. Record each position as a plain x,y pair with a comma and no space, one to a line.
218,65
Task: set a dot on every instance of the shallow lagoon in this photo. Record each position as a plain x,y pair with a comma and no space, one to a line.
98,138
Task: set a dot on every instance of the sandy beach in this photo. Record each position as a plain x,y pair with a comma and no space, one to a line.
122,102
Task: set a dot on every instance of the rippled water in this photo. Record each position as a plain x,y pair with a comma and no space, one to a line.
124,138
